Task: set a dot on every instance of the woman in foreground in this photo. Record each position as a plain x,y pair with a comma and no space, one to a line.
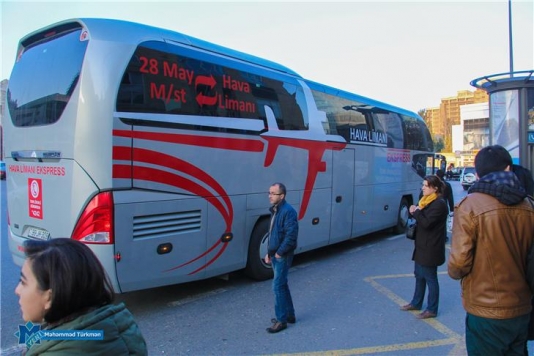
64,287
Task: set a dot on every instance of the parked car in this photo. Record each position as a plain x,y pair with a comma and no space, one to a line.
454,173
468,177
2,170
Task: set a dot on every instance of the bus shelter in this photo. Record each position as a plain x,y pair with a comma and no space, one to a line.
511,111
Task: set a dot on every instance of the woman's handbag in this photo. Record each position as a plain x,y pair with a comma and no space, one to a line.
411,226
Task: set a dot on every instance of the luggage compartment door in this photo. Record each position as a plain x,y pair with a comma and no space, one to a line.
160,242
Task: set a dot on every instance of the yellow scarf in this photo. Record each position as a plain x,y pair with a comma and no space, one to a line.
427,199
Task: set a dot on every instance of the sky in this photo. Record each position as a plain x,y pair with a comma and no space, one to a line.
408,54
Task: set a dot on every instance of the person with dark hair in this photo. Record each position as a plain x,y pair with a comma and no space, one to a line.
525,177
447,192
449,171
283,233
492,235
429,251
64,287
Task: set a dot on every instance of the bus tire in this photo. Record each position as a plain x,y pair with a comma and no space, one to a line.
402,217
256,267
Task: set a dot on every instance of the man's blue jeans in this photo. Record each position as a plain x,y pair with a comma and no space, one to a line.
424,276
283,304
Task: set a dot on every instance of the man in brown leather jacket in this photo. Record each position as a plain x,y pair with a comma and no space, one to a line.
492,233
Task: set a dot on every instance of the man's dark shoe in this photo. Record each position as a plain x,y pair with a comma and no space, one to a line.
278,326
408,307
290,319
426,315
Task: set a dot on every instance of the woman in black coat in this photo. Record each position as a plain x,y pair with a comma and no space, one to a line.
429,253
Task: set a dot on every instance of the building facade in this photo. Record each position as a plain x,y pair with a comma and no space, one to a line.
442,118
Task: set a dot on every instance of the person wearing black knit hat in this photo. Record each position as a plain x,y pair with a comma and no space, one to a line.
492,159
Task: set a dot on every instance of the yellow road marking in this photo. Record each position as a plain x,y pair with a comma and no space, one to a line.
376,349
400,302
452,338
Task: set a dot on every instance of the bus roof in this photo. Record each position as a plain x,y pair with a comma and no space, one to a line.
132,32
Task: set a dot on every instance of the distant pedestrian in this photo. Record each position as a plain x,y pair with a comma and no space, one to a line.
450,168
447,193
429,251
492,235
283,233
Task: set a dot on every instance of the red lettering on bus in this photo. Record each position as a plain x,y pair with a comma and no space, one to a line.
166,94
149,65
179,95
237,105
157,93
229,83
173,71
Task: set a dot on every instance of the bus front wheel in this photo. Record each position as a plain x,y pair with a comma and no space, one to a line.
402,218
256,267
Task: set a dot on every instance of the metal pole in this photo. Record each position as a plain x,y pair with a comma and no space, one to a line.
510,38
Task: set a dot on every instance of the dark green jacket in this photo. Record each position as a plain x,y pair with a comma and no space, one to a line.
121,335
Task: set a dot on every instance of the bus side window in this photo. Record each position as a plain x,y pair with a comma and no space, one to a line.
416,134
390,123
343,115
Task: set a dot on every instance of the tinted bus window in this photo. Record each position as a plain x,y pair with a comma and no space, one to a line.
391,123
357,122
44,78
343,115
169,82
416,134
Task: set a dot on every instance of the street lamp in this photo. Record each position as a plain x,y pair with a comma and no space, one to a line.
510,44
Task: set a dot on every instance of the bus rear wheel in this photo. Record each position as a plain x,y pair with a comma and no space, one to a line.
256,267
403,215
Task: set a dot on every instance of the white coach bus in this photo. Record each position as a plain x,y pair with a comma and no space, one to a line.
158,149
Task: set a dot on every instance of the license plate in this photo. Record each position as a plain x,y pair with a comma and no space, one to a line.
38,233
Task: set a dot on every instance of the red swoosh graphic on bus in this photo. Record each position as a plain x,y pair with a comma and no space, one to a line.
236,144
164,177
221,250
316,150
165,160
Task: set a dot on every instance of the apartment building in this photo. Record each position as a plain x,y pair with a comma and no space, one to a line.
441,119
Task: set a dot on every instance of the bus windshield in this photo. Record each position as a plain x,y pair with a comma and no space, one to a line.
44,78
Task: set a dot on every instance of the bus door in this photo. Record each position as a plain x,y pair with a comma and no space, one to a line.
342,195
